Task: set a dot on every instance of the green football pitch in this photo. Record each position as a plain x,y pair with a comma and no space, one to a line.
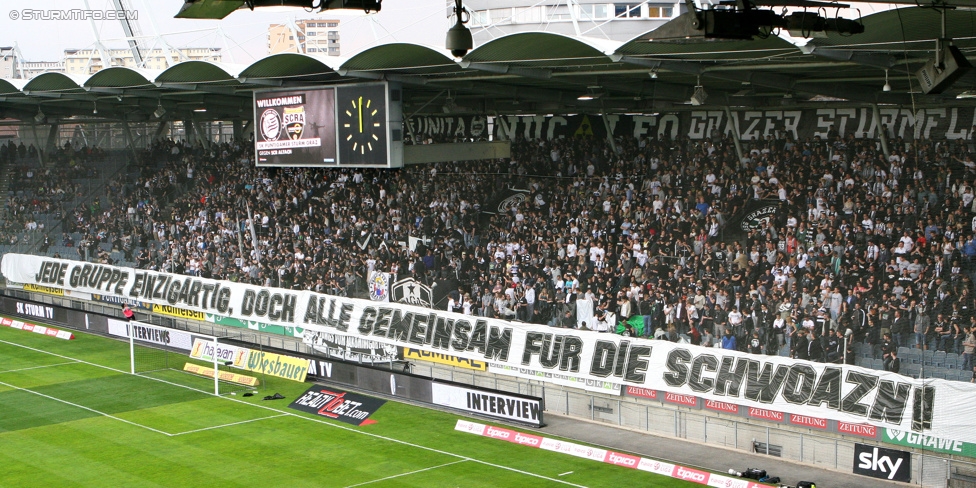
71,415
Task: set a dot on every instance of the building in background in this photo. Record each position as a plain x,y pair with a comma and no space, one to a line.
13,66
89,61
619,21
30,69
8,62
305,36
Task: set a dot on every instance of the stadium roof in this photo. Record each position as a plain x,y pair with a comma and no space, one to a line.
539,72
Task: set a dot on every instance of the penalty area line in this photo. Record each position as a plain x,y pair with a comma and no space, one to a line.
37,367
408,473
227,425
49,397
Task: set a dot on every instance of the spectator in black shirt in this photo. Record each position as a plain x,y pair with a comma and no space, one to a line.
755,345
887,347
815,347
892,363
834,347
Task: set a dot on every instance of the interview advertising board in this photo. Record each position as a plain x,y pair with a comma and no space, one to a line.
484,402
805,389
145,333
493,404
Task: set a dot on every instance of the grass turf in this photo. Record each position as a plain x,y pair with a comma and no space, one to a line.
70,415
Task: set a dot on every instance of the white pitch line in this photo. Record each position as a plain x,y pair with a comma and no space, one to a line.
227,425
407,474
38,367
310,419
86,408
567,472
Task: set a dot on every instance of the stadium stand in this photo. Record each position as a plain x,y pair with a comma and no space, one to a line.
863,244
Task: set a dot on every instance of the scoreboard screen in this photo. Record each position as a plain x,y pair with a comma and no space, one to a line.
345,125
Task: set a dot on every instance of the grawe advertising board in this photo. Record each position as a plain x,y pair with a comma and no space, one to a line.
806,390
929,442
250,324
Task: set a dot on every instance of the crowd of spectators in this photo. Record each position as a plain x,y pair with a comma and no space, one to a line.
872,248
42,188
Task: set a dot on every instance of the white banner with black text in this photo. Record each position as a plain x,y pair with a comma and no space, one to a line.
836,392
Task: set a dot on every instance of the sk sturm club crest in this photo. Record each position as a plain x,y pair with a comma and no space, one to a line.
411,291
379,287
270,125
294,121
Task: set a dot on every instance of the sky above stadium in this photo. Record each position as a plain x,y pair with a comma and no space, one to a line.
242,35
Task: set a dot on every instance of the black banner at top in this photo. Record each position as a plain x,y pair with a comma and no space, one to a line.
929,123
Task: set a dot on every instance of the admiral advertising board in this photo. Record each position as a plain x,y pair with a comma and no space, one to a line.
807,390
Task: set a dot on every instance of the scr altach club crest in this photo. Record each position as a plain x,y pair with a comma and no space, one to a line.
412,292
294,119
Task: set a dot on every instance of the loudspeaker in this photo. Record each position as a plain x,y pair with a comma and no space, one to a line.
937,81
698,96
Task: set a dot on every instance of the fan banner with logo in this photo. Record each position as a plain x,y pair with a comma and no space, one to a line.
816,391
928,123
506,200
379,286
